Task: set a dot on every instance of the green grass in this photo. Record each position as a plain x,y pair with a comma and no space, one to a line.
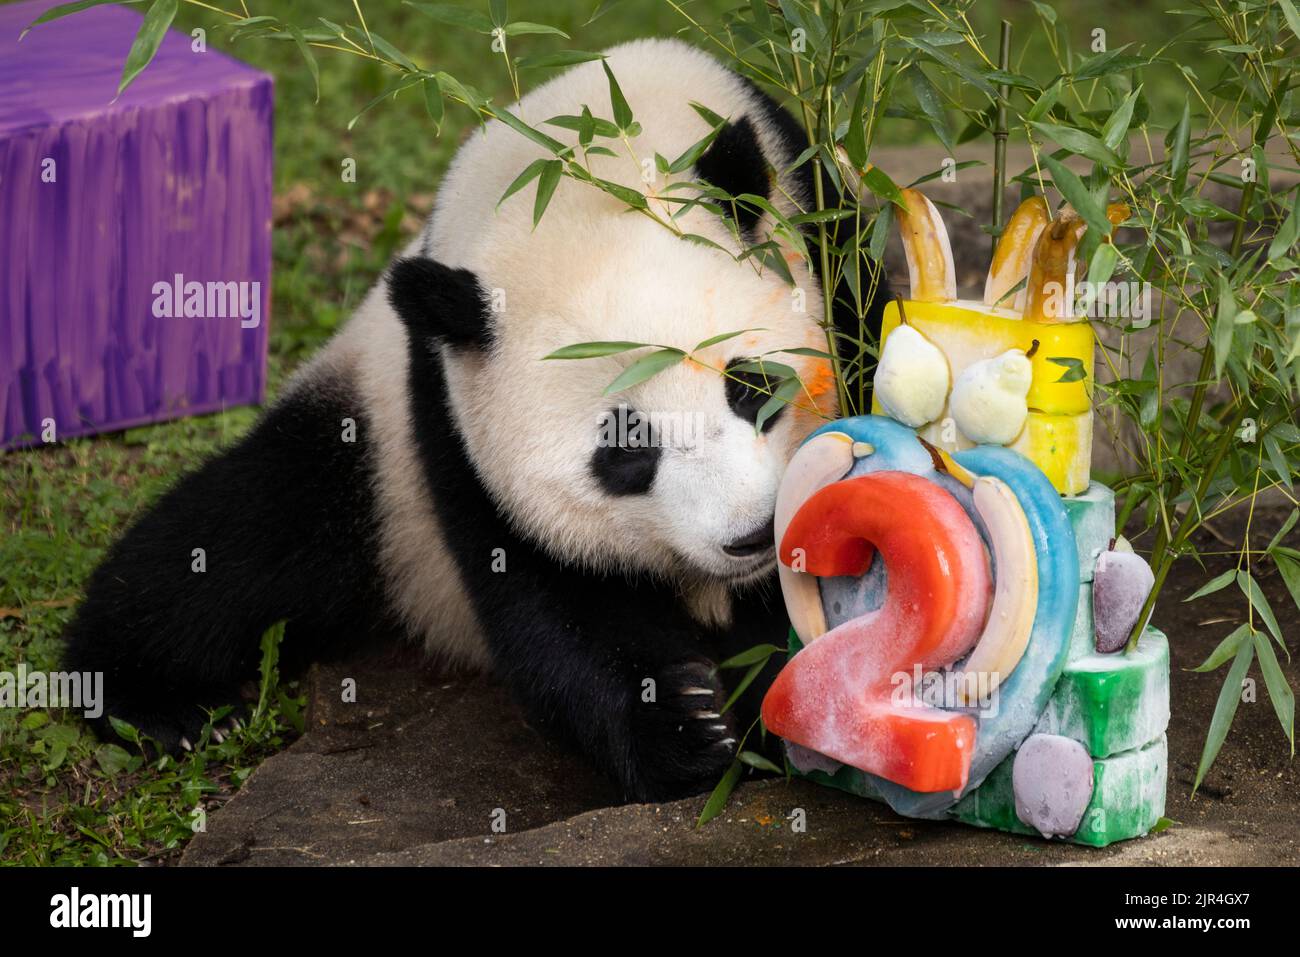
66,797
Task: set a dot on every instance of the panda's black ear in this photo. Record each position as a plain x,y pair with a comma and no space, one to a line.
437,302
734,162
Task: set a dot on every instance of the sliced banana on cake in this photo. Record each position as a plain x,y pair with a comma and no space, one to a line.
1056,266
823,459
1015,597
929,253
1014,251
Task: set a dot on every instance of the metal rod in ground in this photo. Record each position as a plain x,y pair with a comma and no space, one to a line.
1000,134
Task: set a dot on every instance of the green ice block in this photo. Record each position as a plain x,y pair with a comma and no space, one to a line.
1112,703
1128,795
1128,798
1083,639
1092,516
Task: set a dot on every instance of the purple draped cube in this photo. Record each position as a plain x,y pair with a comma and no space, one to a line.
135,236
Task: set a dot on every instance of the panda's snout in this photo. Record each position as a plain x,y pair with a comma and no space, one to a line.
759,540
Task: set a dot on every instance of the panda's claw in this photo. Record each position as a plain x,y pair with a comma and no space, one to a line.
675,740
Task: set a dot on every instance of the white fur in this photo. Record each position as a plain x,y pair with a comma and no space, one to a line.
590,271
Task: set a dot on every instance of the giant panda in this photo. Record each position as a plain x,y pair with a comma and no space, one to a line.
429,476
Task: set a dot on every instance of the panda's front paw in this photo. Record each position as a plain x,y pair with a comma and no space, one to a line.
170,727
682,741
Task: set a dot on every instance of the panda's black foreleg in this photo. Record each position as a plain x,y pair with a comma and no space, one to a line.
613,665
277,527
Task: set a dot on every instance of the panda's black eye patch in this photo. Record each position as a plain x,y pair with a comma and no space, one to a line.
748,391
627,454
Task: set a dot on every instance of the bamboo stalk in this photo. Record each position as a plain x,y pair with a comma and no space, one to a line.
1000,134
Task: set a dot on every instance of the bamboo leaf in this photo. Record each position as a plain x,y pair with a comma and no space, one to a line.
744,683
1278,461
1279,690
1102,265
530,173
312,66
1286,234
537,136
645,368
622,112
781,396
1075,371
855,138
1289,524
1225,649
1223,326
718,799
66,9
1255,595
1078,196
876,180
1046,100
1179,151
401,83
1081,143
1225,709
434,105
1289,568
147,41
723,337
927,97
562,58
522,27
546,183
954,65
1218,583
1292,17
756,655
594,350
455,16
1116,129
756,760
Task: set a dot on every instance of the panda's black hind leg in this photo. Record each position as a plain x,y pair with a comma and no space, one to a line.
279,526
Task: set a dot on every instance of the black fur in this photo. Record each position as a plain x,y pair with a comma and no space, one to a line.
577,648
287,525
440,303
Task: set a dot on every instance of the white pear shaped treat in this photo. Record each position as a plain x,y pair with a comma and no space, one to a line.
988,399
912,378
1014,250
929,254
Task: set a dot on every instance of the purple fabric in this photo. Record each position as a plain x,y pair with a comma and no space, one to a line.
173,178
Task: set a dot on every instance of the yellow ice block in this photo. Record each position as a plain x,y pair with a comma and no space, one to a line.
1057,436
1060,445
968,331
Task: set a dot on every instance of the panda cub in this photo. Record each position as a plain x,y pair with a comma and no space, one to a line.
428,475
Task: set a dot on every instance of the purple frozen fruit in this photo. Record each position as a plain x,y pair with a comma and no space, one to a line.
806,759
1120,587
1052,783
